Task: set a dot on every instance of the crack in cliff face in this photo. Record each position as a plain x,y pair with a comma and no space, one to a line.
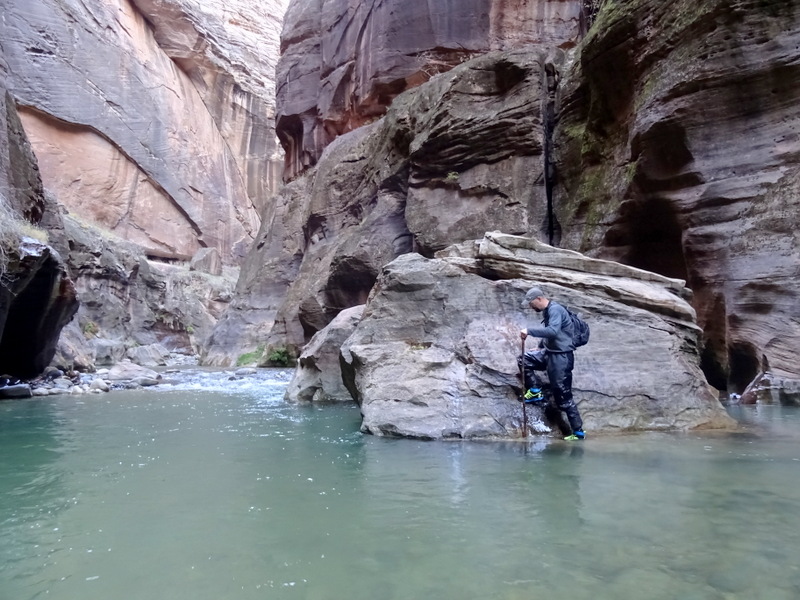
551,77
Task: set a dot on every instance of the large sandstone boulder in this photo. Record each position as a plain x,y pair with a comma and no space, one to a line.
169,147
677,150
434,355
344,62
453,158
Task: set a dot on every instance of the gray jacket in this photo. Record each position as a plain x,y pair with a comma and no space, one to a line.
556,333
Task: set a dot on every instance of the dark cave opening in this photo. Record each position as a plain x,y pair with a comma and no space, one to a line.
744,366
291,131
23,347
712,369
653,236
712,316
349,284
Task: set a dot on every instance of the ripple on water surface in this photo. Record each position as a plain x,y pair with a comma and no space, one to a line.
212,487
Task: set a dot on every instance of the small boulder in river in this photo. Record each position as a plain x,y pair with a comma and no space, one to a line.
127,371
151,355
20,390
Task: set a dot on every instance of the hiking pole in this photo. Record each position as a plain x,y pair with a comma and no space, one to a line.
522,393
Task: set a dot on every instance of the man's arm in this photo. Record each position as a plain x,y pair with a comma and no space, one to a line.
555,323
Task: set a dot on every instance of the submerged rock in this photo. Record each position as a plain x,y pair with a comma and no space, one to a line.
435,353
127,370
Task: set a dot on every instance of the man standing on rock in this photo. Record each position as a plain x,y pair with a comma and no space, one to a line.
558,357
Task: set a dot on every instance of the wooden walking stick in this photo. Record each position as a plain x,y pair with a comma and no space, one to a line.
522,394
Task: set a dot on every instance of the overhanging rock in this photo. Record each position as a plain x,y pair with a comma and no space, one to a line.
37,299
434,355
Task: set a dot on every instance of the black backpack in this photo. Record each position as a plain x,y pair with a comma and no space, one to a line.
580,329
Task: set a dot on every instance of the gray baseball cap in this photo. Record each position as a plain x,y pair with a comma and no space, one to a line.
534,292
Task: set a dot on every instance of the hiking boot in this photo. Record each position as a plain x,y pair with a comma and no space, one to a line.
576,435
533,395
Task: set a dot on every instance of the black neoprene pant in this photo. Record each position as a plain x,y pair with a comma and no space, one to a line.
559,367
559,371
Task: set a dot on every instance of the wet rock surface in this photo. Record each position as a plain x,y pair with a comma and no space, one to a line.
180,374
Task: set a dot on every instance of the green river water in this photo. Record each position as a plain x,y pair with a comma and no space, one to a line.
219,492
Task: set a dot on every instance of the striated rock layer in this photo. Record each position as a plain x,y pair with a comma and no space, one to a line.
344,62
167,146
677,149
229,49
434,354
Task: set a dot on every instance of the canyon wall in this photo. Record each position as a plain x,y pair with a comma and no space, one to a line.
460,155
343,62
459,158
37,297
677,147
153,125
134,308
152,119
666,139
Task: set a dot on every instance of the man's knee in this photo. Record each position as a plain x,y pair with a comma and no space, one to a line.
566,402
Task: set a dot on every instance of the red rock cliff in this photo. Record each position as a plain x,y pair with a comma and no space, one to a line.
343,62
151,118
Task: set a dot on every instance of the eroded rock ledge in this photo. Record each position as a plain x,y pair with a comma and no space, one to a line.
434,355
